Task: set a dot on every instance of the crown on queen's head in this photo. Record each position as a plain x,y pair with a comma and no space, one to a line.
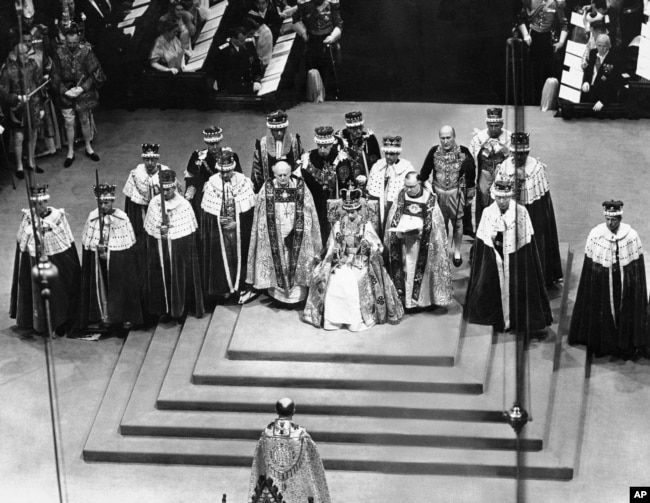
494,115
613,208
39,193
520,142
167,178
392,144
351,199
150,150
324,135
105,191
277,120
212,134
354,119
226,160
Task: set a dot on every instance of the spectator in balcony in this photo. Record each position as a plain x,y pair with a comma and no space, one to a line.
186,26
268,14
238,69
199,10
168,54
262,38
602,77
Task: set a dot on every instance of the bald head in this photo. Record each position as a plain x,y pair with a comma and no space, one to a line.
447,136
282,172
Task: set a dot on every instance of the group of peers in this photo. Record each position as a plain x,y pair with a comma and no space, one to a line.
45,82
349,232
611,31
253,27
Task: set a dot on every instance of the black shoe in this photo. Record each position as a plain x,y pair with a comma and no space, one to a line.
20,174
68,161
38,169
458,261
92,156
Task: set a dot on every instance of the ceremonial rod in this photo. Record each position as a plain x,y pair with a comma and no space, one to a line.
517,416
44,272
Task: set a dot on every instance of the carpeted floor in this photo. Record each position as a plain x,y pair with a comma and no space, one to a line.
588,162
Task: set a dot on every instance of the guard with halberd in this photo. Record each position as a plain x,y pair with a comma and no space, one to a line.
277,145
173,277
528,176
202,165
326,170
20,81
361,146
489,147
227,210
287,454
55,240
109,268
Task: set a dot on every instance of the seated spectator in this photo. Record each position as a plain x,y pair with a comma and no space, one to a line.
286,8
268,15
185,23
167,53
199,10
238,69
602,77
262,38
596,21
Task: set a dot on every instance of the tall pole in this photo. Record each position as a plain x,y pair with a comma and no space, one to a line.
517,416
44,273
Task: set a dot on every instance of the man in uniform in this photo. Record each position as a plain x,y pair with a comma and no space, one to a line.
55,240
528,176
227,210
202,165
610,308
20,70
76,76
286,453
360,145
285,238
417,247
386,178
173,278
537,22
238,69
506,284
326,170
319,23
453,178
109,268
489,147
277,145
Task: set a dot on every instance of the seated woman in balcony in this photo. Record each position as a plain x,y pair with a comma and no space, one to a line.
167,53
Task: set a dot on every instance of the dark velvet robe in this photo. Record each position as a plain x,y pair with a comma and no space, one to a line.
26,304
610,317
181,290
528,303
120,283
